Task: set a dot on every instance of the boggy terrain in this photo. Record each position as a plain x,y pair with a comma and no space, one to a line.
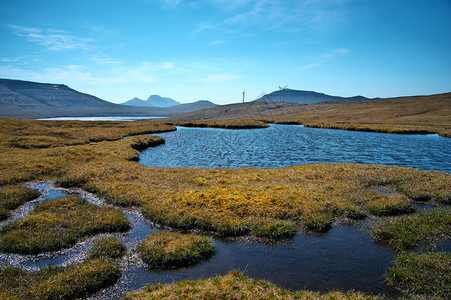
260,203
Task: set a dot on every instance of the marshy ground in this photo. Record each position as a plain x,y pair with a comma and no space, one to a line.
264,204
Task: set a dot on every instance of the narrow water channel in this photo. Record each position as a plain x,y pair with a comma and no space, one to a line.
343,259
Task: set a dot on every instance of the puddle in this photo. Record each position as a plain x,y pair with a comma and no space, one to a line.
384,190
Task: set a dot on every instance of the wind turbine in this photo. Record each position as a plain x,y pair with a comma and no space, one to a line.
282,89
244,94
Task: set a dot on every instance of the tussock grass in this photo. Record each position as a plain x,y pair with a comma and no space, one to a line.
170,249
424,274
33,149
71,282
389,204
29,134
247,201
12,197
233,286
58,224
406,232
108,248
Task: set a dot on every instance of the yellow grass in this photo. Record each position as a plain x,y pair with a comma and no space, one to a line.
272,203
234,286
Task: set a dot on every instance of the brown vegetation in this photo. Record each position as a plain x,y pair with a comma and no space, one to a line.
272,203
235,286
420,114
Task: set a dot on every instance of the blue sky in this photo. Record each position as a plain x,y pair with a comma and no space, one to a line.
215,49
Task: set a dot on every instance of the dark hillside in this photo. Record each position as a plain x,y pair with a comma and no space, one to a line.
303,97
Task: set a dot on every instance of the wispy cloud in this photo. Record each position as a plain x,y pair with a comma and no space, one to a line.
79,75
166,65
278,15
228,5
219,77
322,58
218,42
104,60
334,53
169,4
310,66
53,39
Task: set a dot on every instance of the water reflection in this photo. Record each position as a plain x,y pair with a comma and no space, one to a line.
289,145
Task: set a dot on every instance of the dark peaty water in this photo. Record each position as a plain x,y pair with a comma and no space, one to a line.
345,258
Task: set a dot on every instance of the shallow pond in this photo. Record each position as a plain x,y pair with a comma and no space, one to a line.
345,258
289,145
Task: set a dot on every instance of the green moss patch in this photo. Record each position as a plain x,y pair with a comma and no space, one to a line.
233,286
12,197
108,248
425,274
71,282
58,224
405,232
170,250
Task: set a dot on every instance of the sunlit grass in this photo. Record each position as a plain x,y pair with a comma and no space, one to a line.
424,274
269,203
58,224
70,282
170,250
29,134
12,197
234,286
245,201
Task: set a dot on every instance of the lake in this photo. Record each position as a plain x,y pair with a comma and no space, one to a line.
289,145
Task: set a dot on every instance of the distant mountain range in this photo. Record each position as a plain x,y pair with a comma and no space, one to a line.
302,97
25,99
152,101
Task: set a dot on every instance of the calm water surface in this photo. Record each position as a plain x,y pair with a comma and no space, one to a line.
289,145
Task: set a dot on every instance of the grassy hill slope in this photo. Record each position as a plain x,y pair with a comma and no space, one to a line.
402,115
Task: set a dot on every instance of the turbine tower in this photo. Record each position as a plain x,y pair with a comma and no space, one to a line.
282,89
244,94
